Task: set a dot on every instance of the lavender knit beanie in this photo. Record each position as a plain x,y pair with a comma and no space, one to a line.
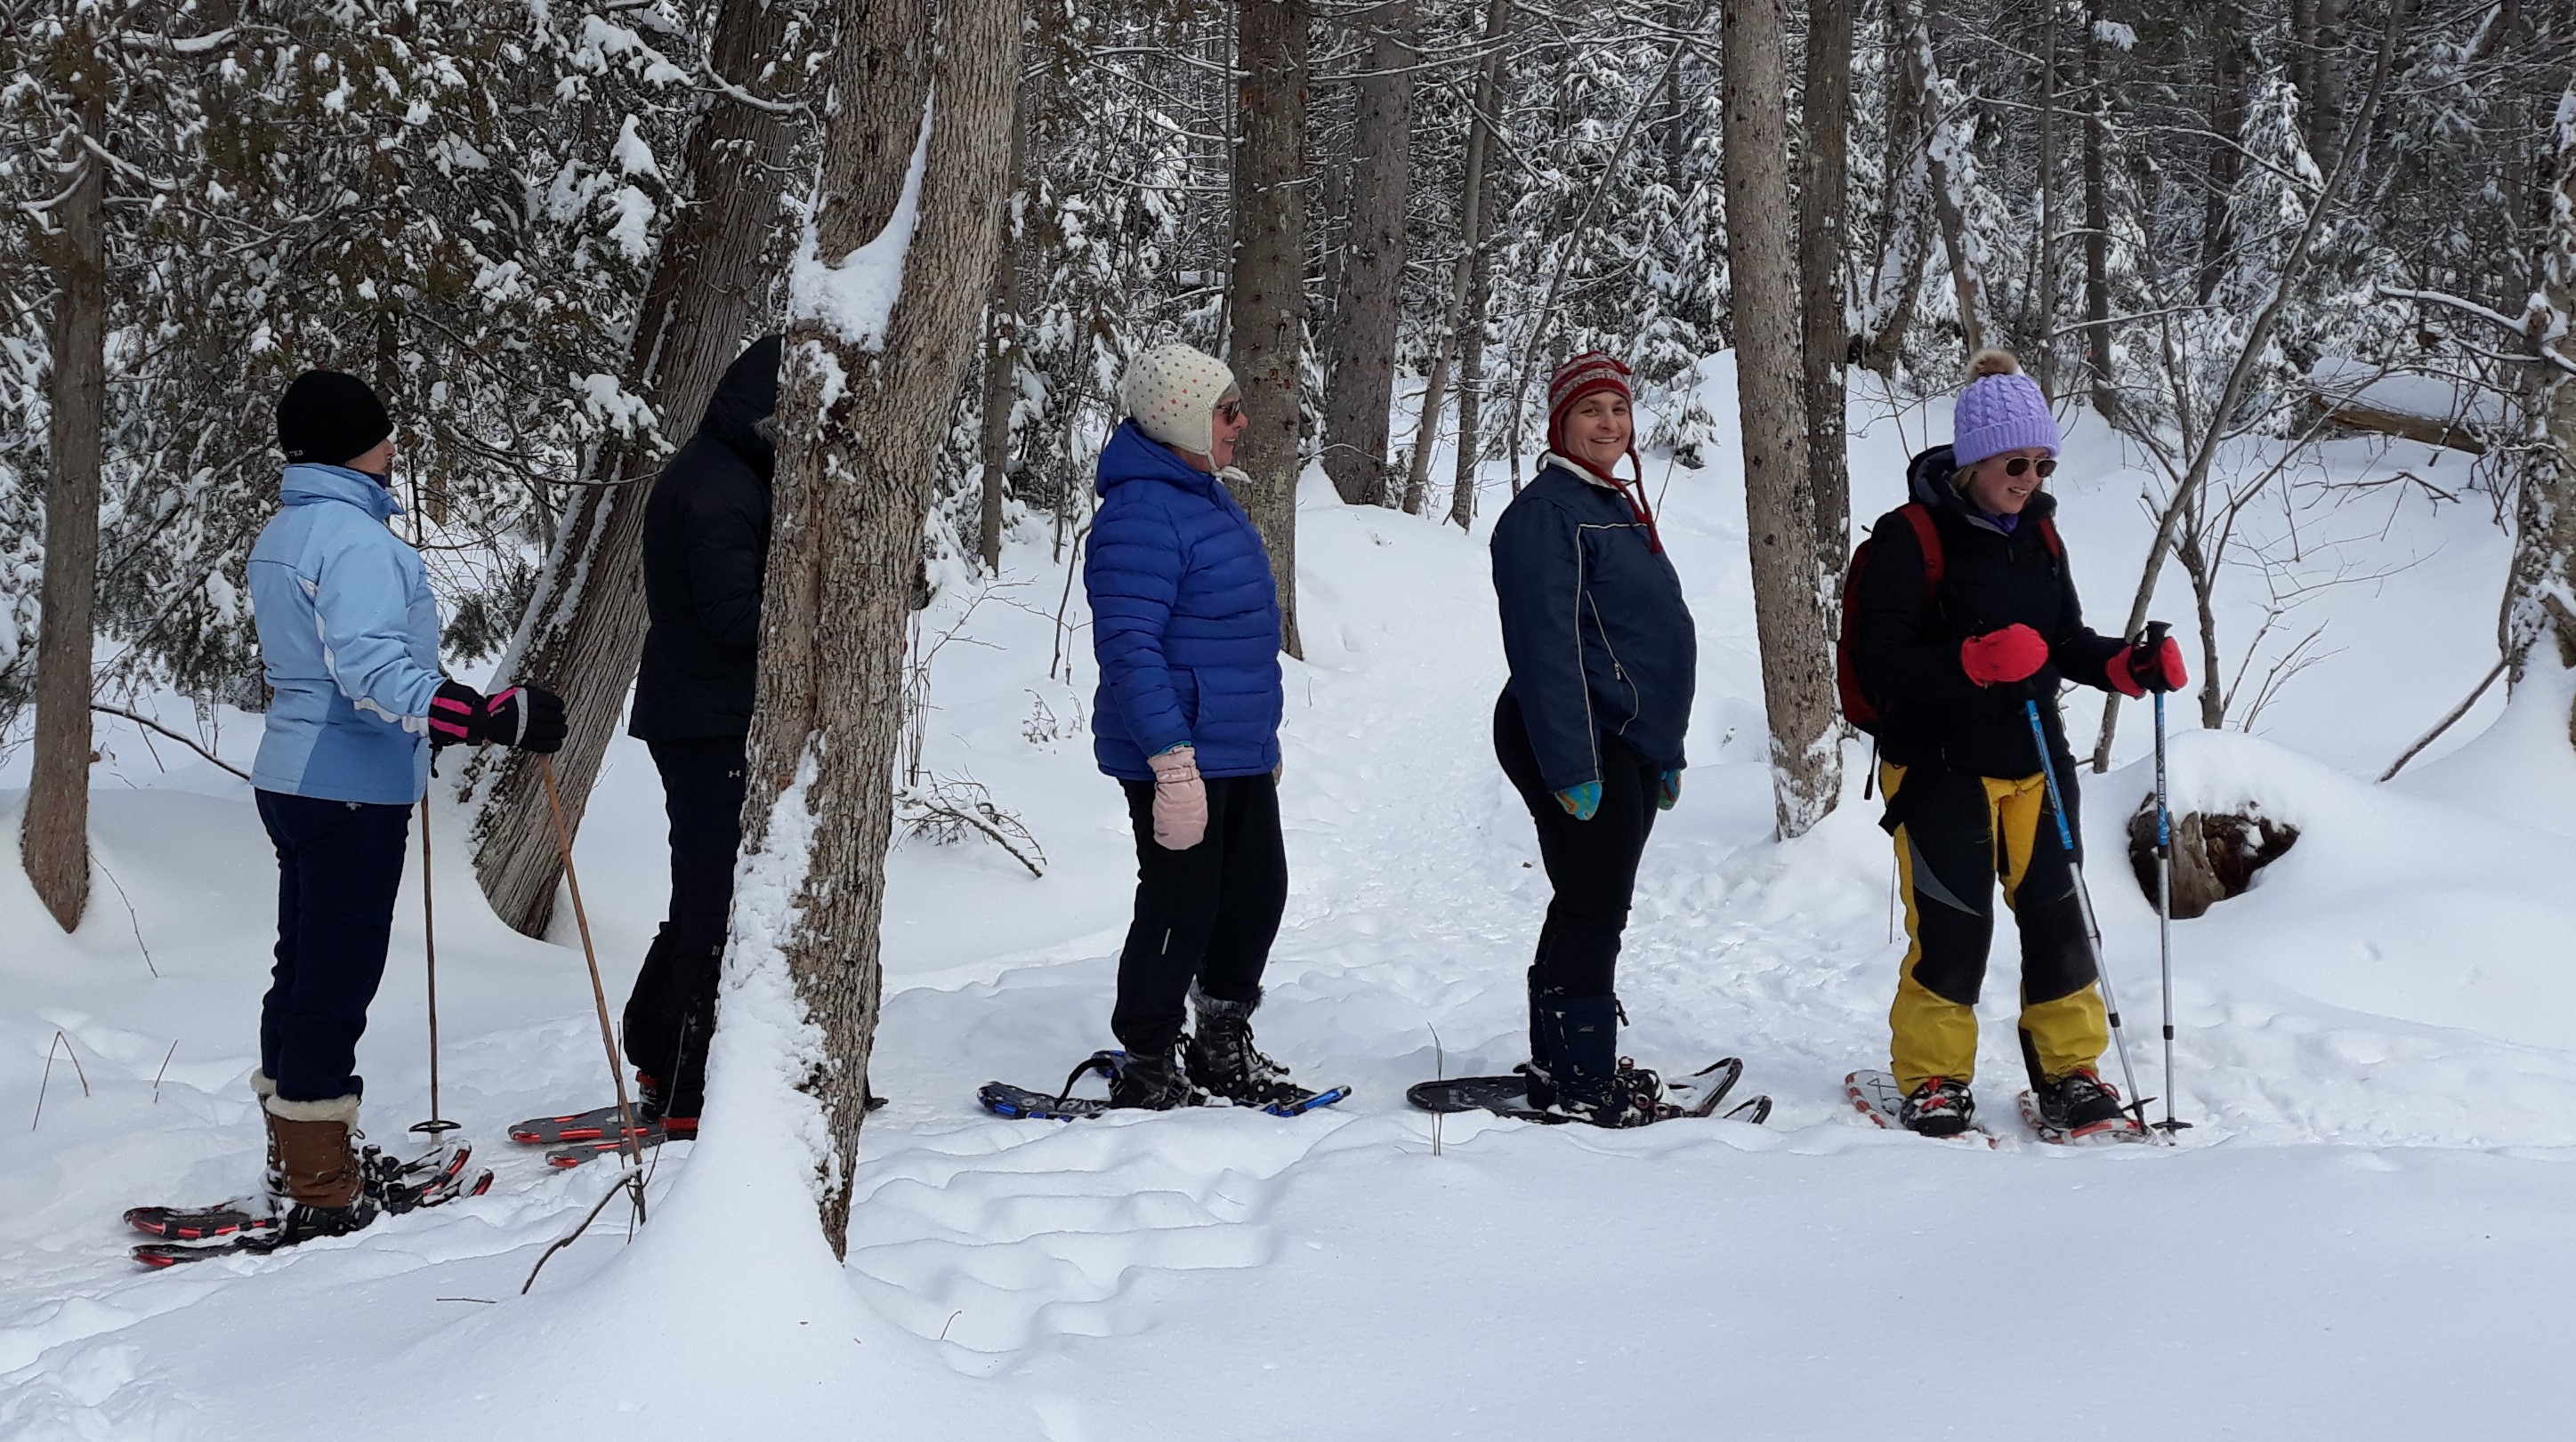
2001,410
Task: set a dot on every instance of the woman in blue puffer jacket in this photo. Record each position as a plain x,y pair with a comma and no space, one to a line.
1185,628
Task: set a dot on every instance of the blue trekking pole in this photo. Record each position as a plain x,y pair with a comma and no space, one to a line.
2092,929
2164,887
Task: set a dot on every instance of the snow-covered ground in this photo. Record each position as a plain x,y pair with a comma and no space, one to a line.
2363,1236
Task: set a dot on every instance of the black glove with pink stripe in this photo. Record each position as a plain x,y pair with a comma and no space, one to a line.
530,718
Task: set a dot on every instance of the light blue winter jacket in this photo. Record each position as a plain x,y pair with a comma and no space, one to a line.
349,632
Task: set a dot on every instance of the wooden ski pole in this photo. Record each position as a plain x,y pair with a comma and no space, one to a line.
632,1144
438,1124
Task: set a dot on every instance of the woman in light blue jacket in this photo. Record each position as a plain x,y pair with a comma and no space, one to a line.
348,632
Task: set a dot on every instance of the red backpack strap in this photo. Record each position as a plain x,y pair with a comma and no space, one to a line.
2048,533
1927,538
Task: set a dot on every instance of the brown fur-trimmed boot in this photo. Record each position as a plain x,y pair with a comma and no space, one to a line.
272,1179
325,1185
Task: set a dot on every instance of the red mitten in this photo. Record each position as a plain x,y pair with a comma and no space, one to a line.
2135,672
2014,653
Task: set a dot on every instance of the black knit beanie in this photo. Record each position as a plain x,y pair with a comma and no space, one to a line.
330,418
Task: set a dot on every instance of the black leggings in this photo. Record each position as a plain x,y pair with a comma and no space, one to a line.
1207,914
339,869
1592,864
671,1014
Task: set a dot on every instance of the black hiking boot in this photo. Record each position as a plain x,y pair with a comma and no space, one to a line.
1941,1107
1589,1080
2081,1104
1151,1081
1540,1070
1221,1060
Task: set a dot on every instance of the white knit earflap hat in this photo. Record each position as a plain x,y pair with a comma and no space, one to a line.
1172,391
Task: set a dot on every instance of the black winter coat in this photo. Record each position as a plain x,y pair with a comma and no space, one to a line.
1599,639
706,547
1906,651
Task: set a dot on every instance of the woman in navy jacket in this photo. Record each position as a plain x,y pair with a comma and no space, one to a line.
1589,729
1185,627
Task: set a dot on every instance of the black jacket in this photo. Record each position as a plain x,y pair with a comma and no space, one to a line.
1594,626
1907,651
706,546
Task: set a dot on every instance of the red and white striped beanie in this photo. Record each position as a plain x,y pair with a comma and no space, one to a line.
1172,391
1587,374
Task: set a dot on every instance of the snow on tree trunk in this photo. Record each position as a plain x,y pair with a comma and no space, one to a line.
1824,207
886,287
583,632
54,837
1268,296
1945,156
1371,294
2099,370
1788,585
2540,593
1002,354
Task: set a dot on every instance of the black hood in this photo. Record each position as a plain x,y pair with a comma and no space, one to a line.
1931,478
746,396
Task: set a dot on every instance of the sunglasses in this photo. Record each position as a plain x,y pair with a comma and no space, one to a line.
2019,465
1229,411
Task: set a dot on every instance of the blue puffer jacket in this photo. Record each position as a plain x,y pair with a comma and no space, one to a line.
1599,639
1184,618
349,632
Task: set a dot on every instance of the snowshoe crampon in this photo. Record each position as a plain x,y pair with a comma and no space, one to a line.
1005,1100
1875,1095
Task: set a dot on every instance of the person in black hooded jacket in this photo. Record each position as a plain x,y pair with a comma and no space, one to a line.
1954,656
706,548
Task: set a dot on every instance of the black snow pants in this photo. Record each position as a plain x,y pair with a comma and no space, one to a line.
1207,914
339,869
1591,864
672,1011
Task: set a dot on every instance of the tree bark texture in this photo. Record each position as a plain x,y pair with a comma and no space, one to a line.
1267,301
2540,593
861,419
1942,147
1824,212
584,631
54,836
2097,221
1471,394
1002,355
1471,241
1370,295
1788,585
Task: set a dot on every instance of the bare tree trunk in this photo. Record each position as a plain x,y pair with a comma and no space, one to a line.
864,406
1371,290
1923,91
1002,354
584,631
54,836
2540,592
2097,221
2047,288
1471,241
1824,212
1788,585
1471,394
2226,117
1268,301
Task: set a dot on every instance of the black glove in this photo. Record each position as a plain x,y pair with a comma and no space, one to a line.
456,715
530,718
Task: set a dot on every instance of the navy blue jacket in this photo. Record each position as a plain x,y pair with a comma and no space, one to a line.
1594,626
1184,618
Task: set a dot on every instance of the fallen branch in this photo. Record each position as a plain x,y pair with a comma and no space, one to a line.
2444,724
190,742
632,1180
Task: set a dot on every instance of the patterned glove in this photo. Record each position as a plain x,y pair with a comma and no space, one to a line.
1668,790
1580,802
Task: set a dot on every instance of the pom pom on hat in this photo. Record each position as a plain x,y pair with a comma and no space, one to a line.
1171,392
2000,410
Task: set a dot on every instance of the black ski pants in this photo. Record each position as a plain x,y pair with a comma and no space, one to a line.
1207,914
339,868
1592,864
672,1011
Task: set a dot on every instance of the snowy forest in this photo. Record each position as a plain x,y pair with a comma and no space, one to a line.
2295,278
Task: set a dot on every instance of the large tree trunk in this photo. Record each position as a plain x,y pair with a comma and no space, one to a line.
1471,241
1788,585
1267,302
1824,210
1371,292
2097,221
584,631
2046,289
863,408
54,836
2540,593
1941,146
1471,394
1002,355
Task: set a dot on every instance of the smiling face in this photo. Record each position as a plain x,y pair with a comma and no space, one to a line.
1225,428
1598,430
1992,487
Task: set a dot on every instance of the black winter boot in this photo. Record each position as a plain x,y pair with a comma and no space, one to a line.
1593,1083
1222,1061
1540,1069
1941,1107
2081,1104
1152,1081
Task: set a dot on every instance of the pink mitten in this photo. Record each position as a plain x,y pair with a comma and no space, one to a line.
1180,800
